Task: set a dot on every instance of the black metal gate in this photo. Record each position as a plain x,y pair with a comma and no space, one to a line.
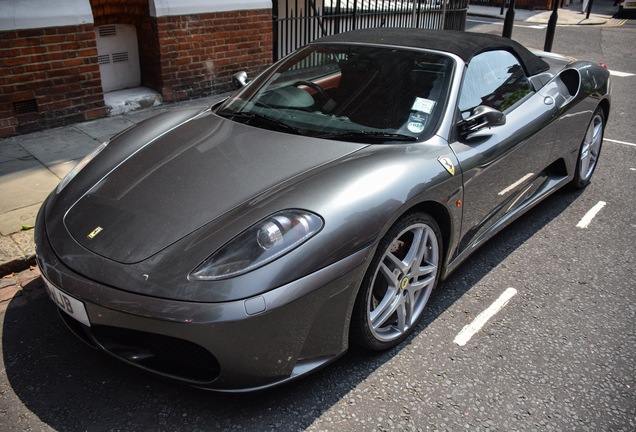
298,22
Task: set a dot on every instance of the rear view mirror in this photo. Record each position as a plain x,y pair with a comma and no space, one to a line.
239,79
480,118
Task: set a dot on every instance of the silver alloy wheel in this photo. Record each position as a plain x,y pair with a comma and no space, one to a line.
591,147
402,283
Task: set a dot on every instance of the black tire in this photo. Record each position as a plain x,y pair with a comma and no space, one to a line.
590,150
397,285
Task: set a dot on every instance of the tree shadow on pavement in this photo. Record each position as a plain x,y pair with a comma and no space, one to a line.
69,386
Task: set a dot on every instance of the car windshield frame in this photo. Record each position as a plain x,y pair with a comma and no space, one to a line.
351,92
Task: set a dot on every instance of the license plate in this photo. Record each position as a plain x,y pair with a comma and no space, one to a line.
631,4
67,303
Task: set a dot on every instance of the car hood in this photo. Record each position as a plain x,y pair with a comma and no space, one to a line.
185,178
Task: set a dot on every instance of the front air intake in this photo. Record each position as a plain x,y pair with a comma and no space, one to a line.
169,356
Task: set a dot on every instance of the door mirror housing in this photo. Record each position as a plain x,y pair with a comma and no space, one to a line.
480,118
239,79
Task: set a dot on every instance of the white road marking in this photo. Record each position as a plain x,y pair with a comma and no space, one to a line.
587,219
616,22
620,74
500,23
620,142
480,21
468,331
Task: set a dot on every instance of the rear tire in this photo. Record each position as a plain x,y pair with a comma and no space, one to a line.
590,150
398,283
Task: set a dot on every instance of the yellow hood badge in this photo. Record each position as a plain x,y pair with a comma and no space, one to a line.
447,164
94,233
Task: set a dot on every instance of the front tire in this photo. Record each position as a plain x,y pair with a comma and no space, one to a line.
398,283
590,150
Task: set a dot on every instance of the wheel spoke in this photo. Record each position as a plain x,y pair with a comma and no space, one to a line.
402,317
398,263
426,265
414,255
598,129
597,140
423,283
389,275
409,308
387,307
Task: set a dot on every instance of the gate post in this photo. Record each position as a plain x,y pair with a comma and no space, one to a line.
275,30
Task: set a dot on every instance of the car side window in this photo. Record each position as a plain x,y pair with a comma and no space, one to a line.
495,79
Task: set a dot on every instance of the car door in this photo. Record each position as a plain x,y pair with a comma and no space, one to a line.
503,165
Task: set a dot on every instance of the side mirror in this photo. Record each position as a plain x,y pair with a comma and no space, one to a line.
239,79
480,118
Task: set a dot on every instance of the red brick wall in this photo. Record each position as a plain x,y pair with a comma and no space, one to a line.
53,72
199,53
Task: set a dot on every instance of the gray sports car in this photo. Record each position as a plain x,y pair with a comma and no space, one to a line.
240,246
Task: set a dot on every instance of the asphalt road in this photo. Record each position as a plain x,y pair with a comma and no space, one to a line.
561,355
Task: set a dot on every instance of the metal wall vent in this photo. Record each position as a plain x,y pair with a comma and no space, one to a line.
107,30
103,59
25,107
120,57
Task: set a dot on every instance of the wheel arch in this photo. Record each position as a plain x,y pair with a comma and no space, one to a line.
605,106
442,216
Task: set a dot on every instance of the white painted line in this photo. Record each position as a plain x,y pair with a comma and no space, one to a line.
480,21
620,74
468,331
620,142
538,26
500,22
587,219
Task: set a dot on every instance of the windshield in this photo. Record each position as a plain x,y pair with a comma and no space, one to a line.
353,93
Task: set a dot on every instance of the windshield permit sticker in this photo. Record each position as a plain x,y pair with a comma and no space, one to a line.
447,164
415,127
423,105
416,123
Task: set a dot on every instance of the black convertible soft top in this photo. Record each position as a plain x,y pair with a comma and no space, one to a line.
463,44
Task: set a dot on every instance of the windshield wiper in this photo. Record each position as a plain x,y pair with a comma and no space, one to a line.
254,119
368,135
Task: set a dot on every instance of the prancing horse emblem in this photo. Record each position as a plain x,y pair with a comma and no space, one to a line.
94,233
447,164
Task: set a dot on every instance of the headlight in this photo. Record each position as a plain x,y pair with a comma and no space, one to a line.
79,167
261,244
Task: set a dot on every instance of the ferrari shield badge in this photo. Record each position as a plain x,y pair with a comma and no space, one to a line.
447,164
94,233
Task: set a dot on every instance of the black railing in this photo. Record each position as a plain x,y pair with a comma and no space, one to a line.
298,22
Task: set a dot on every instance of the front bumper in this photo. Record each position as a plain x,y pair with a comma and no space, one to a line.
241,345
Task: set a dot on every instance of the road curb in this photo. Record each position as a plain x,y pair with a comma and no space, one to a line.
17,252
17,265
